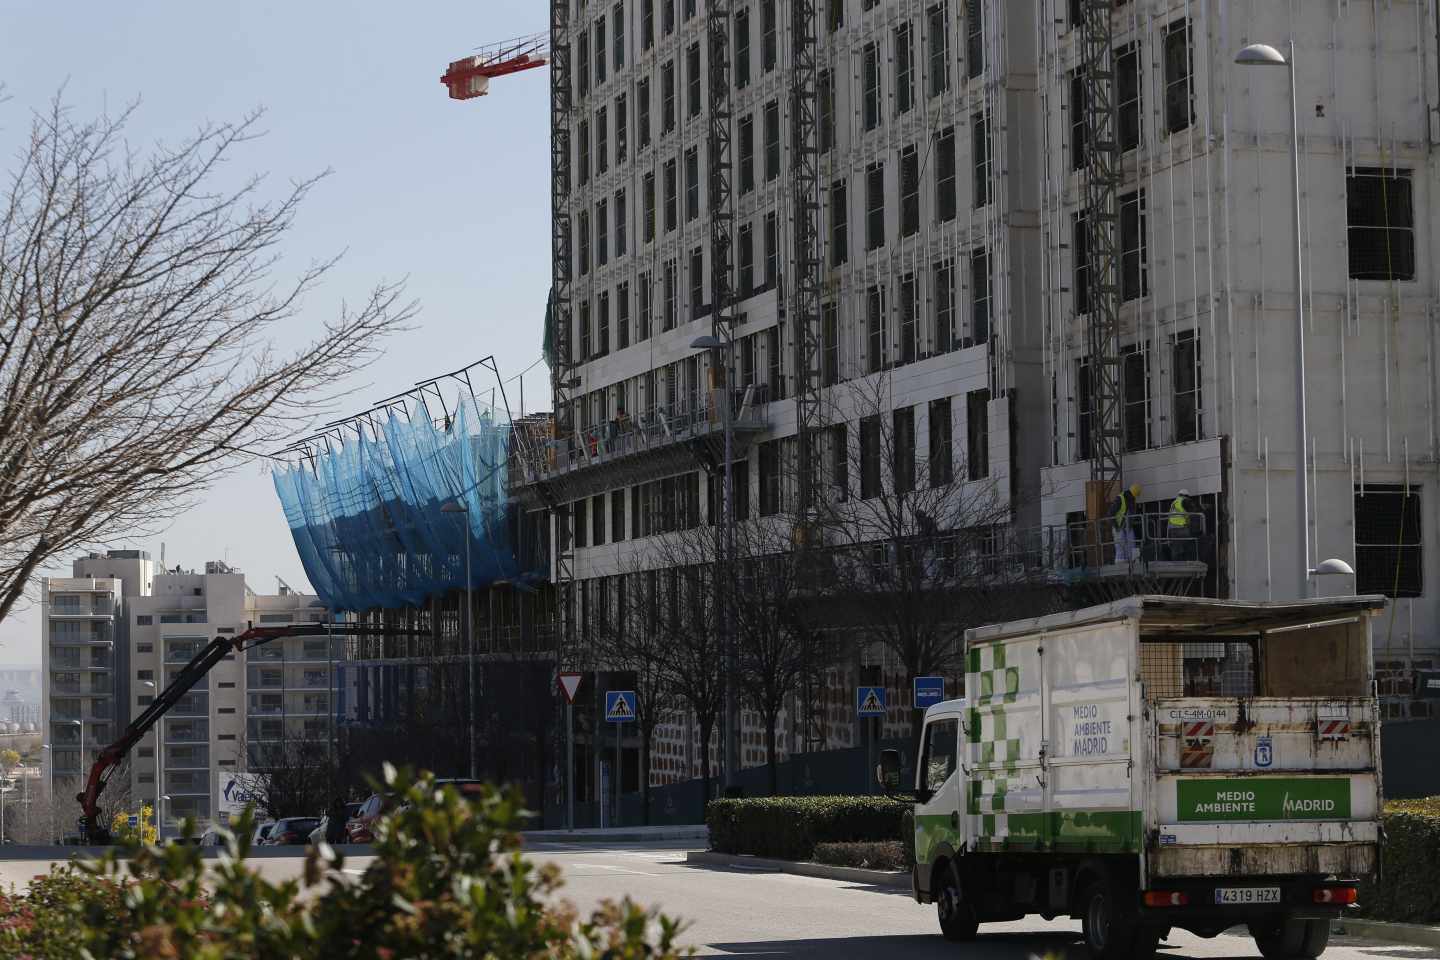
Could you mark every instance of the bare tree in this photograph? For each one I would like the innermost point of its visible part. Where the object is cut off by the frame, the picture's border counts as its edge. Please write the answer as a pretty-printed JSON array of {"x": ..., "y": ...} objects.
[
  {"x": 138, "y": 298},
  {"x": 293, "y": 777},
  {"x": 925, "y": 544}
]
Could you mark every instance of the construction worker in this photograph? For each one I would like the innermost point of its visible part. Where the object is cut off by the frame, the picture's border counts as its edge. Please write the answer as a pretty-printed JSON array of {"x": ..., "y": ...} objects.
[
  {"x": 1125, "y": 515},
  {"x": 1181, "y": 540}
]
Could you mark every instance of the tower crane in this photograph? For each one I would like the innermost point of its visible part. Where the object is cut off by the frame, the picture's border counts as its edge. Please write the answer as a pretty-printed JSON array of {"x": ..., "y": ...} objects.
[{"x": 470, "y": 77}]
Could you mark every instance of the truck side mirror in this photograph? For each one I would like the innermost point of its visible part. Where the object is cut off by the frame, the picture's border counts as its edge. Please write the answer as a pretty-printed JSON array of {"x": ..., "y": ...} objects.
[{"x": 887, "y": 771}]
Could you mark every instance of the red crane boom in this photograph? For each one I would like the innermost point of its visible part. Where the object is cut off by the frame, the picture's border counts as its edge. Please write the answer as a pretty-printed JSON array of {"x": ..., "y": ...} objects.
[{"x": 471, "y": 76}]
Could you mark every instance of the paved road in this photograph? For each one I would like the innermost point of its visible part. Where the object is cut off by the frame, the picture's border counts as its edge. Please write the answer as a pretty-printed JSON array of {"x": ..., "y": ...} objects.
[{"x": 745, "y": 913}]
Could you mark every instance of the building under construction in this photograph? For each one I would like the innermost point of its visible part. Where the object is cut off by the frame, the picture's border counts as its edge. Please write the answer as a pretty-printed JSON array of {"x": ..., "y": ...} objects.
[{"x": 1037, "y": 252}]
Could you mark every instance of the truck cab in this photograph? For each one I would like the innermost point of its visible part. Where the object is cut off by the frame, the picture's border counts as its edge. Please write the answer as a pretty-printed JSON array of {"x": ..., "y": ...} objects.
[{"x": 1151, "y": 764}]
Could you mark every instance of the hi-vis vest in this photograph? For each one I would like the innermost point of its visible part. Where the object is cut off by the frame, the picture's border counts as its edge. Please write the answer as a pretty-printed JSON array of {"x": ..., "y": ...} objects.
[
  {"x": 1121, "y": 511},
  {"x": 1179, "y": 516}
]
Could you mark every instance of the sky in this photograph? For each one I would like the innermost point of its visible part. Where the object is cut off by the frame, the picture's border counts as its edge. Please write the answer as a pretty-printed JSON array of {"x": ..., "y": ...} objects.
[{"x": 451, "y": 196}]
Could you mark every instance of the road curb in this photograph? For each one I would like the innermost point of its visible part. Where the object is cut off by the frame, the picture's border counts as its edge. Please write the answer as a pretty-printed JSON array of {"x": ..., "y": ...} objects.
[
  {"x": 617, "y": 835},
  {"x": 1412, "y": 933},
  {"x": 879, "y": 878}
]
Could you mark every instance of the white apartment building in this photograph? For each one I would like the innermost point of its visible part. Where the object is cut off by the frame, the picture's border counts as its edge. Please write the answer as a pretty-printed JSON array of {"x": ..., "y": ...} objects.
[
  {"x": 118, "y": 632},
  {"x": 951, "y": 160}
]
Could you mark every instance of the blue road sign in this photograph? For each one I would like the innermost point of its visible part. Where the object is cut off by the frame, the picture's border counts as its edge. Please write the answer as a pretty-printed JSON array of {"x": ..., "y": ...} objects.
[
  {"x": 619, "y": 706},
  {"x": 870, "y": 701},
  {"x": 928, "y": 690},
  {"x": 134, "y": 820}
]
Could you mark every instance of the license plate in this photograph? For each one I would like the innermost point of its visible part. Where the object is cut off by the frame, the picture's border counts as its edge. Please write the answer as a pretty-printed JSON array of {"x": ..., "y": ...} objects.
[{"x": 1246, "y": 895}]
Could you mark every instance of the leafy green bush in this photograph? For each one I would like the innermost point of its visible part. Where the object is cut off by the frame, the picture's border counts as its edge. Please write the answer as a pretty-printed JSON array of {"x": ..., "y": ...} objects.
[
  {"x": 872, "y": 855},
  {"x": 1409, "y": 887},
  {"x": 789, "y": 827},
  {"x": 448, "y": 880}
]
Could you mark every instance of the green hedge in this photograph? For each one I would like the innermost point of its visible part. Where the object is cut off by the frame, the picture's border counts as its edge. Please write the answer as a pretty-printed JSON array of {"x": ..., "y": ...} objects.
[
  {"x": 1409, "y": 888},
  {"x": 788, "y": 828}
]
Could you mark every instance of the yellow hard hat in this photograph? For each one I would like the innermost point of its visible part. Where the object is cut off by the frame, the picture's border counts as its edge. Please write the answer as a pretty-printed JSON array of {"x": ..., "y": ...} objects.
[{"x": 1135, "y": 489}]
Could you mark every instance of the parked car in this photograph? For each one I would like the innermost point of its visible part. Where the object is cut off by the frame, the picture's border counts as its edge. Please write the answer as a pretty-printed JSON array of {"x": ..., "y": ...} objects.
[
  {"x": 318, "y": 834},
  {"x": 291, "y": 830},
  {"x": 262, "y": 832},
  {"x": 361, "y": 828},
  {"x": 212, "y": 838}
]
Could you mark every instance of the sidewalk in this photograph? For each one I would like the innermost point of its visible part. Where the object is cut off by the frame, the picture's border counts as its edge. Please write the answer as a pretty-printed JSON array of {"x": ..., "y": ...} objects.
[
  {"x": 1416, "y": 934},
  {"x": 879, "y": 878}
]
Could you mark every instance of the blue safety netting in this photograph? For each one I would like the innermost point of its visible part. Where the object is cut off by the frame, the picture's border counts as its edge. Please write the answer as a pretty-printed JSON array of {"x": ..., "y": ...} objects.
[{"x": 366, "y": 512}]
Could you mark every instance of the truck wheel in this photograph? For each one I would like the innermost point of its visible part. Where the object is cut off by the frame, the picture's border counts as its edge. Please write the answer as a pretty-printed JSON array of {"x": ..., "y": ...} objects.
[
  {"x": 1107, "y": 935},
  {"x": 1316, "y": 939},
  {"x": 1281, "y": 939},
  {"x": 957, "y": 915}
]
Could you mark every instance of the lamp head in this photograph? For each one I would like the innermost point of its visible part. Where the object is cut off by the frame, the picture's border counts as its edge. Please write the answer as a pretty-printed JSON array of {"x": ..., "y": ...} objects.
[
  {"x": 1260, "y": 55},
  {"x": 708, "y": 342},
  {"x": 1333, "y": 567}
]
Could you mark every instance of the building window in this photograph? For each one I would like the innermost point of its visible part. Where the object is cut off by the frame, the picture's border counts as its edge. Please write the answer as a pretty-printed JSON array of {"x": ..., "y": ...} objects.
[
  {"x": 692, "y": 184},
  {"x": 617, "y": 20},
  {"x": 839, "y": 224},
  {"x": 980, "y": 138},
  {"x": 904, "y": 69},
  {"x": 642, "y": 119},
  {"x": 979, "y": 297},
  {"x": 772, "y": 249},
  {"x": 672, "y": 213},
  {"x": 622, "y": 124},
  {"x": 692, "y": 80},
  {"x": 586, "y": 345},
  {"x": 697, "y": 283},
  {"x": 870, "y": 80},
  {"x": 602, "y": 233},
  {"x": 578, "y": 512},
  {"x": 620, "y": 218},
  {"x": 1129, "y": 94},
  {"x": 977, "y": 434},
  {"x": 869, "y": 458},
  {"x": 836, "y": 15},
  {"x": 772, "y": 140},
  {"x": 617, "y": 515},
  {"x": 667, "y": 97},
  {"x": 1078, "y": 101},
  {"x": 837, "y": 440},
  {"x": 769, "y": 46},
  {"x": 875, "y": 206},
  {"x": 602, "y": 141},
  {"x": 649, "y": 197},
  {"x": 939, "y": 49},
  {"x": 144, "y": 648},
  {"x": 1380, "y": 218},
  {"x": 825, "y": 95},
  {"x": 584, "y": 230},
  {"x": 877, "y": 332},
  {"x": 582, "y": 143},
  {"x": 975, "y": 37},
  {"x": 1084, "y": 407},
  {"x": 645, "y": 318},
  {"x": 944, "y": 301},
  {"x": 746, "y": 243},
  {"x": 830, "y": 332},
  {"x": 144, "y": 674},
  {"x": 1179, "y": 81},
  {"x": 672, "y": 293},
  {"x": 909, "y": 191},
  {"x": 1186, "y": 409},
  {"x": 1134, "y": 282},
  {"x": 1388, "y": 541},
  {"x": 1135, "y": 386},
  {"x": 909, "y": 319},
  {"x": 667, "y": 16},
  {"x": 903, "y": 450},
  {"x": 602, "y": 338},
  {"x": 774, "y": 364},
  {"x": 647, "y": 24},
  {"x": 226, "y": 684},
  {"x": 600, "y": 50},
  {"x": 942, "y": 453},
  {"x": 946, "y": 197},
  {"x": 583, "y": 75},
  {"x": 597, "y": 520},
  {"x": 144, "y": 619},
  {"x": 622, "y": 316},
  {"x": 747, "y": 154},
  {"x": 742, "y": 49},
  {"x": 769, "y": 478}
]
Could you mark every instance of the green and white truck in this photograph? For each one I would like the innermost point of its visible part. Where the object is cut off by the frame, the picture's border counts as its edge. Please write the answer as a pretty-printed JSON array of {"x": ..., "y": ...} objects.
[{"x": 1155, "y": 763}]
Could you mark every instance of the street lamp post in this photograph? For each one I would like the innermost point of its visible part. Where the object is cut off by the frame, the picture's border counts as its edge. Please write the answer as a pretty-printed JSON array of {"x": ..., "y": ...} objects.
[
  {"x": 159, "y": 767},
  {"x": 1264, "y": 55},
  {"x": 50, "y": 800},
  {"x": 727, "y": 635},
  {"x": 455, "y": 506}
]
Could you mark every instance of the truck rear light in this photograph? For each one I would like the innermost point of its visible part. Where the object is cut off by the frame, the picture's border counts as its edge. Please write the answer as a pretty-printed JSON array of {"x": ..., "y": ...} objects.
[
  {"x": 1165, "y": 898},
  {"x": 1335, "y": 895}
]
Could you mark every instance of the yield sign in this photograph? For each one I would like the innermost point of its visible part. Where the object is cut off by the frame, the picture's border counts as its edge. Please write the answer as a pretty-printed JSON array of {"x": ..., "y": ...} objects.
[{"x": 569, "y": 683}]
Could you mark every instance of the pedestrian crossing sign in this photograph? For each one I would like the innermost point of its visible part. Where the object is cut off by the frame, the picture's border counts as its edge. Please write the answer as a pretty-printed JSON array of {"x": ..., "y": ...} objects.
[
  {"x": 870, "y": 701},
  {"x": 619, "y": 706}
]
